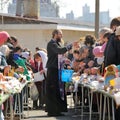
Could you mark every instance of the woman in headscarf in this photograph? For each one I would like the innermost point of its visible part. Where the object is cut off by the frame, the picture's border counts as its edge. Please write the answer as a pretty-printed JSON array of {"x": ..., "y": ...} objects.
[{"x": 40, "y": 59}]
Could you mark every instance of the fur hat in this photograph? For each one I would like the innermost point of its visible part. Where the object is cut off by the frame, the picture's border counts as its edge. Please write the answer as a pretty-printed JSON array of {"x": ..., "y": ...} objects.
[
  {"x": 117, "y": 32},
  {"x": 3, "y": 37}
]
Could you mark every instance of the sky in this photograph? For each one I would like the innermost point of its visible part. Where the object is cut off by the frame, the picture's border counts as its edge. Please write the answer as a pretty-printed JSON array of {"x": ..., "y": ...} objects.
[{"x": 76, "y": 5}]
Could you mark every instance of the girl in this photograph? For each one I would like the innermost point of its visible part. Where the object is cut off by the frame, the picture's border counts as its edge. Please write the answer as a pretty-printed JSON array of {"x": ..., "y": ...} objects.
[{"x": 40, "y": 65}]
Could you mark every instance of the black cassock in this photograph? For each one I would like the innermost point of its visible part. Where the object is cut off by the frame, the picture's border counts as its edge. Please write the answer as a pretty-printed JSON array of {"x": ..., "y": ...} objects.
[{"x": 55, "y": 89}]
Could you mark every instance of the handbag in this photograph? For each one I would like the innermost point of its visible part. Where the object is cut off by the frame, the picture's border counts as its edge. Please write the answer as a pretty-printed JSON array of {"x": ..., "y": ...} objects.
[
  {"x": 34, "y": 92},
  {"x": 38, "y": 77}
]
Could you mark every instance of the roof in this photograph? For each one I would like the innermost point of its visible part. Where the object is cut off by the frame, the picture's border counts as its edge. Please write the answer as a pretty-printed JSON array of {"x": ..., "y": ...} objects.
[
  {"x": 64, "y": 24},
  {"x": 8, "y": 19}
]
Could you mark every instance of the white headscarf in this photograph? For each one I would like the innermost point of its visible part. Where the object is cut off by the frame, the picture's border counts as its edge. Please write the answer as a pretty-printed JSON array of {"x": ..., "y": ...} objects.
[
  {"x": 44, "y": 58},
  {"x": 25, "y": 55}
]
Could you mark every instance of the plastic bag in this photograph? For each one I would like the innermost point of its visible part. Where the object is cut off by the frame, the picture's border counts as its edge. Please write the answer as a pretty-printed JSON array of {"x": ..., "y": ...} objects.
[{"x": 34, "y": 92}]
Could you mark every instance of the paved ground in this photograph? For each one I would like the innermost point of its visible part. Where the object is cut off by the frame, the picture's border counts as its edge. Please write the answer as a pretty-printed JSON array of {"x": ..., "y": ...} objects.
[{"x": 72, "y": 114}]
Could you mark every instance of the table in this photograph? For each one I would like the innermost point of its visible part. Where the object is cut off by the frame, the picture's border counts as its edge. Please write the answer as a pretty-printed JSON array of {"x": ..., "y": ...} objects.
[
  {"x": 3, "y": 98},
  {"x": 90, "y": 91},
  {"x": 20, "y": 96},
  {"x": 106, "y": 97},
  {"x": 19, "y": 100},
  {"x": 99, "y": 93}
]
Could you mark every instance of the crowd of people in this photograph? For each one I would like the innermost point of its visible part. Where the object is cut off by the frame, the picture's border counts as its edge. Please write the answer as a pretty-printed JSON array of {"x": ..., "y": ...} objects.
[
  {"x": 82, "y": 57},
  {"x": 16, "y": 61}
]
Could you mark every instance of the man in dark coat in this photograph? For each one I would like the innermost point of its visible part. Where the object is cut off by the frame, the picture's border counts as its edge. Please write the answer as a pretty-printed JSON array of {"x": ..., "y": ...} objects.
[
  {"x": 112, "y": 48},
  {"x": 112, "y": 54},
  {"x": 54, "y": 103}
]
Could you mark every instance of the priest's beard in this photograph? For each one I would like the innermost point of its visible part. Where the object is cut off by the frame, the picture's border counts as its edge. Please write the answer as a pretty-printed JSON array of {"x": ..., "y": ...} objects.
[{"x": 58, "y": 40}]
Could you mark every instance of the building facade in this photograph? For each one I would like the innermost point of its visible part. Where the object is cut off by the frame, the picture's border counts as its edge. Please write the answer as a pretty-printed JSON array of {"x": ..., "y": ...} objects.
[
  {"x": 32, "y": 33},
  {"x": 88, "y": 16},
  {"x": 70, "y": 16}
]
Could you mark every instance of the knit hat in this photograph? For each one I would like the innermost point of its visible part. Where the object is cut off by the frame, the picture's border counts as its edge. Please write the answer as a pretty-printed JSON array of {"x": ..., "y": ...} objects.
[
  {"x": 117, "y": 32},
  {"x": 97, "y": 50},
  {"x": 3, "y": 37}
]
